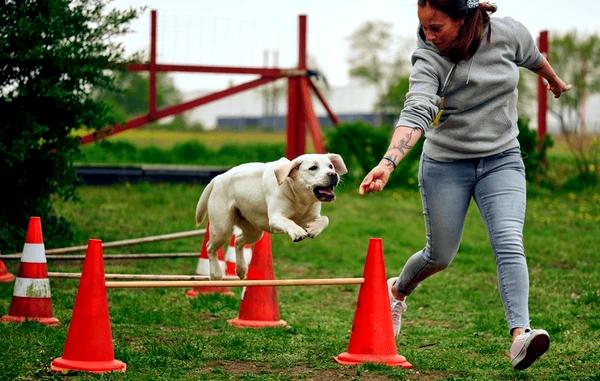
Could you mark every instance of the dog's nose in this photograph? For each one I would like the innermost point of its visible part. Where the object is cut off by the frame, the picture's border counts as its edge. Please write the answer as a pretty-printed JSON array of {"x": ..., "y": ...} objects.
[{"x": 333, "y": 179}]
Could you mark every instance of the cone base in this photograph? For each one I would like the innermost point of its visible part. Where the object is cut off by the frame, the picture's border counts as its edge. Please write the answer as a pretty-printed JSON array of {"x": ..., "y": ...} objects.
[
  {"x": 63, "y": 365},
  {"x": 242, "y": 323},
  {"x": 51, "y": 321},
  {"x": 357, "y": 359},
  {"x": 6, "y": 278},
  {"x": 208, "y": 290}
]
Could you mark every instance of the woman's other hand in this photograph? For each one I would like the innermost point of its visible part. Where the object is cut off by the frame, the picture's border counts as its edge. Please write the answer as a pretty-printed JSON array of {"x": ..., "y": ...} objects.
[{"x": 558, "y": 86}]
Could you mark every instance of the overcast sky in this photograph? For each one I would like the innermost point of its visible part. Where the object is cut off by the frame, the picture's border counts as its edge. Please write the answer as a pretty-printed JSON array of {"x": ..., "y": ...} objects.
[{"x": 243, "y": 32}]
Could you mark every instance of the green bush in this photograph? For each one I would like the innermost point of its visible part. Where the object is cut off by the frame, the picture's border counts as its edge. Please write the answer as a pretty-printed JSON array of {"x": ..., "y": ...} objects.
[{"x": 360, "y": 144}]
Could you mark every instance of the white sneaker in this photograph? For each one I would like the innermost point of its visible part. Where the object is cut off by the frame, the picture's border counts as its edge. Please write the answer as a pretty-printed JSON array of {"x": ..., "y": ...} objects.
[
  {"x": 528, "y": 347},
  {"x": 397, "y": 307}
]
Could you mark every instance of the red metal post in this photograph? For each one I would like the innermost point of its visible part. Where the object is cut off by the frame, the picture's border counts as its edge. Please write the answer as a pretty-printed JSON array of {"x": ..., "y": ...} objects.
[
  {"x": 296, "y": 134},
  {"x": 152, "y": 68},
  {"x": 300, "y": 138},
  {"x": 302, "y": 42},
  {"x": 542, "y": 90},
  {"x": 296, "y": 120}
]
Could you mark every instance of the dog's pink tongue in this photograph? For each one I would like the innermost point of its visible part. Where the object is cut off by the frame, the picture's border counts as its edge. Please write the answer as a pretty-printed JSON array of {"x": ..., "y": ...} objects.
[{"x": 327, "y": 191}]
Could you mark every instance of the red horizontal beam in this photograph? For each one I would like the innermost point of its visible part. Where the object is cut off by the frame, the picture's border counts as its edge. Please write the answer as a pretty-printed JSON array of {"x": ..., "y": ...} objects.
[
  {"x": 172, "y": 110},
  {"x": 265, "y": 72}
]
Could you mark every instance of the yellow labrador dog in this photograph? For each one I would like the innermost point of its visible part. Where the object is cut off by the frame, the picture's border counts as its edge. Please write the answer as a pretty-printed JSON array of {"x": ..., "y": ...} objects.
[{"x": 281, "y": 196}]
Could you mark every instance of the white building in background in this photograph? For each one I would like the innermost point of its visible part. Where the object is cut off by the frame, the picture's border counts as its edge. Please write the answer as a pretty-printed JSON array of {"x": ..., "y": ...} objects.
[{"x": 355, "y": 100}]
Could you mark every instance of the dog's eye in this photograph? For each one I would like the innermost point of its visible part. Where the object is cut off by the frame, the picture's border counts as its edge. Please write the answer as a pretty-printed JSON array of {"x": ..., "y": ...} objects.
[
  {"x": 330, "y": 166},
  {"x": 313, "y": 168}
]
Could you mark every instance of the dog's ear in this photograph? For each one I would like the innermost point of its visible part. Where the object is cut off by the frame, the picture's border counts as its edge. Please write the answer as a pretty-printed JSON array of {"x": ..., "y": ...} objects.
[
  {"x": 285, "y": 168},
  {"x": 338, "y": 163}
]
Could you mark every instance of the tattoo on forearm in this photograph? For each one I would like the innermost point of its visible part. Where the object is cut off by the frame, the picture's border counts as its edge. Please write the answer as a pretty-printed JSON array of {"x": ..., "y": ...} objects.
[{"x": 403, "y": 145}]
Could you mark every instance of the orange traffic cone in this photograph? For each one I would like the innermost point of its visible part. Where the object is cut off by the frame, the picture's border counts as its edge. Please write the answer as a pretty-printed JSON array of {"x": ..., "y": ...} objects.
[
  {"x": 5, "y": 276},
  {"x": 372, "y": 338},
  {"x": 89, "y": 346},
  {"x": 31, "y": 295},
  {"x": 259, "y": 307},
  {"x": 203, "y": 268}
]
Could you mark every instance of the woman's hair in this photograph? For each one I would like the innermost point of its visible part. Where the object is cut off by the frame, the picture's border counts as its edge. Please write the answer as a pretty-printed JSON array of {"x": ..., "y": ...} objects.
[{"x": 470, "y": 34}]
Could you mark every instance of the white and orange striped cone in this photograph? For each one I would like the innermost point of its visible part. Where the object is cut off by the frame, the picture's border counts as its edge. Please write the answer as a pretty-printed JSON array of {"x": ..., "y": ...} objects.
[
  {"x": 5, "y": 275},
  {"x": 230, "y": 258},
  {"x": 203, "y": 268},
  {"x": 248, "y": 253},
  {"x": 31, "y": 296}
]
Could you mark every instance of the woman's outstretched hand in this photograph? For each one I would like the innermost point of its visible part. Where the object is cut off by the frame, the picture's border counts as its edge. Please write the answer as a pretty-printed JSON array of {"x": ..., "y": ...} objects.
[
  {"x": 558, "y": 87},
  {"x": 375, "y": 180}
]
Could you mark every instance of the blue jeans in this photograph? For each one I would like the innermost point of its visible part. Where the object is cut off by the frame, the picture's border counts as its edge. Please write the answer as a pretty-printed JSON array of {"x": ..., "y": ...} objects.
[{"x": 497, "y": 184}]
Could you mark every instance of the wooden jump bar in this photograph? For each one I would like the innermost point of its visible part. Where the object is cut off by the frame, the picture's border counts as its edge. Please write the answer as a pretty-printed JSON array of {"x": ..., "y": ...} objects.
[
  {"x": 237, "y": 283},
  {"x": 130, "y": 242},
  {"x": 138, "y": 276},
  {"x": 76, "y": 257}
]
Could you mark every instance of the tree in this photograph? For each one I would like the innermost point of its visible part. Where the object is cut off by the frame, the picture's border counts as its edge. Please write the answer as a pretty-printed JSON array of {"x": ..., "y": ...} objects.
[
  {"x": 376, "y": 58},
  {"x": 54, "y": 55},
  {"x": 392, "y": 102},
  {"x": 576, "y": 59}
]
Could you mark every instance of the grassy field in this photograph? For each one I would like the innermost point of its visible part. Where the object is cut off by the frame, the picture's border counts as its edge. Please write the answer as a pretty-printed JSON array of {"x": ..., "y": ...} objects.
[
  {"x": 212, "y": 139},
  {"x": 454, "y": 328}
]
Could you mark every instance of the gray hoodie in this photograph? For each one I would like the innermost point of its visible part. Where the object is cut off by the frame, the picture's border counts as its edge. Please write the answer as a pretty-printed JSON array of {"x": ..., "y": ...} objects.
[{"x": 480, "y": 114}]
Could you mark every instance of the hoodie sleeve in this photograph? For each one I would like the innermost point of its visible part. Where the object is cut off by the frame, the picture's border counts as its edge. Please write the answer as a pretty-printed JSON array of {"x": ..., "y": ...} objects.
[
  {"x": 526, "y": 51},
  {"x": 421, "y": 102}
]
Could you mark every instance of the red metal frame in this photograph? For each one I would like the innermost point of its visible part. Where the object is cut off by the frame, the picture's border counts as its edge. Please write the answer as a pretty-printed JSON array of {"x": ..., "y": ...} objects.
[
  {"x": 542, "y": 90},
  {"x": 300, "y": 111},
  {"x": 152, "y": 69}
]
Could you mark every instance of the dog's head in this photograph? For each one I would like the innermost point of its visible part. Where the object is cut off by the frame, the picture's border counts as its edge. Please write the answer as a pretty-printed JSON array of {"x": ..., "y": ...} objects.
[{"x": 317, "y": 174}]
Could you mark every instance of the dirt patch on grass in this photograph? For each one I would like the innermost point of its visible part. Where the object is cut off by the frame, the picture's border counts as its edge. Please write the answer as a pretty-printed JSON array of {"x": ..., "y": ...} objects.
[
  {"x": 302, "y": 372},
  {"x": 431, "y": 376}
]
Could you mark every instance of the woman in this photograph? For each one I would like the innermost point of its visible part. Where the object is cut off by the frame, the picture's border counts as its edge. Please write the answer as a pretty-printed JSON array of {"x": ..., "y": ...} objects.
[{"x": 463, "y": 98}]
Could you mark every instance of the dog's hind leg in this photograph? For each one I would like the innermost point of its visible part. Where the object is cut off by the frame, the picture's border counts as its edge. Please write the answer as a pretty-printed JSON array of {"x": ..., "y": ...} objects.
[
  {"x": 220, "y": 232},
  {"x": 249, "y": 234},
  {"x": 212, "y": 247}
]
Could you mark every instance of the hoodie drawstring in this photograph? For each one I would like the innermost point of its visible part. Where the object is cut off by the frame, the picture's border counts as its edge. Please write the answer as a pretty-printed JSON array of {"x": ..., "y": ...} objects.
[{"x": 469, "y": 70}]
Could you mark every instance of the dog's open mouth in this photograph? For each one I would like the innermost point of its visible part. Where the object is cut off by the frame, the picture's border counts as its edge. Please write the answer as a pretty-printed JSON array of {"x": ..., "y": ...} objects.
[{"x": 324, "y": 193}]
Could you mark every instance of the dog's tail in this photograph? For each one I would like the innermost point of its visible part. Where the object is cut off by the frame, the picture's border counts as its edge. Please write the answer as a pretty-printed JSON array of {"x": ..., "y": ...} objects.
[{"x": 202, "y": 208}]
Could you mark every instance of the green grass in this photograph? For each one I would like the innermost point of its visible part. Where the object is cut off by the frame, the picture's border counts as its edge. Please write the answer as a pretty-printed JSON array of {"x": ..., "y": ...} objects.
[
  {"x": 454, "y": 328},
  {"x": 212, "y": 139}
]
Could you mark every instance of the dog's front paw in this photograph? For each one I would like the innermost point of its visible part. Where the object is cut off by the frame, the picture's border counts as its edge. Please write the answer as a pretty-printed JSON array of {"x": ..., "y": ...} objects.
[
  {"x": 316, "y": 227},
  {"x": 297, "y": 234}
]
